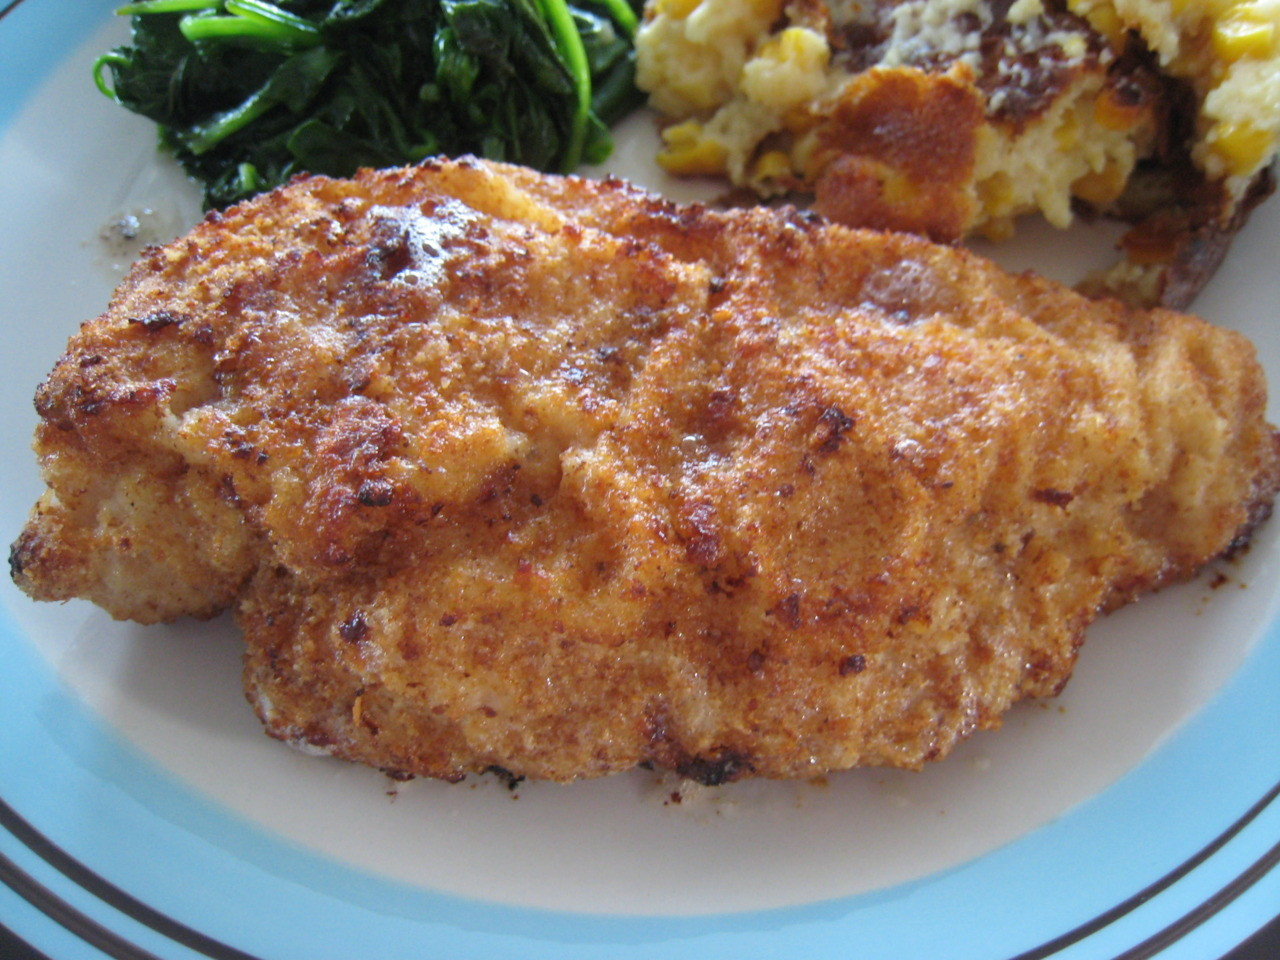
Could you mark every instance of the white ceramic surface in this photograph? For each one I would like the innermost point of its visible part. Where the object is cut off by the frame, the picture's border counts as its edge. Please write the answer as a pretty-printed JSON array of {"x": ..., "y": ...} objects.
[{"x": 72, "y": 166}]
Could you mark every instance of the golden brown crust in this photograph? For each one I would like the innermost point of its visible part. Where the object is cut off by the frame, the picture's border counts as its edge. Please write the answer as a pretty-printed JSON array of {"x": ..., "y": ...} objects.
[
  {"x": 552, "y": 475},
  {"x": 897, "y": 153}
]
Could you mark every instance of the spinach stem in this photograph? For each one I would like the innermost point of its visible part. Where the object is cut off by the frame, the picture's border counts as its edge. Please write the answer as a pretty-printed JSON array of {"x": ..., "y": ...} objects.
[
  {"x": 268, "y": 13},
  {"x": 569, "y": 42},
  {"x": 167, "y": 6},
  {"x": 247, "y": 179},
  {"x": 623, "y": 16},
  {"x": 112, "y": 59},
  {"x": 198, "y": 29},
  {"x": 207, "y": 135}
]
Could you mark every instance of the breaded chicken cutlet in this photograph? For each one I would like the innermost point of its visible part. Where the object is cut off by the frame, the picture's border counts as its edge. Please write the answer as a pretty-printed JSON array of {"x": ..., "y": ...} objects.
[
  {"x": 499, "y": 469},
  {"x": 951, "y": 118}
]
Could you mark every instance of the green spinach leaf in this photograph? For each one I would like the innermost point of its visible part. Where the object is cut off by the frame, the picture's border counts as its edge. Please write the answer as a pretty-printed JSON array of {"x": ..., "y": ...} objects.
[{"x": 248, "y": 93}]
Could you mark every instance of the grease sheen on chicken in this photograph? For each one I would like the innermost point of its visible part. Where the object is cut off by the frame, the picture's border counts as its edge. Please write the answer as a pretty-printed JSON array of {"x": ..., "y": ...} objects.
[{"x": 499, "y": 469}]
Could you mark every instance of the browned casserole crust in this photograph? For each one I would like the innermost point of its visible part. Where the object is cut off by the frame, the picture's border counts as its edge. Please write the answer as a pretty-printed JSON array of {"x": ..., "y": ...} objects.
[{"x": 950, "y": 118}]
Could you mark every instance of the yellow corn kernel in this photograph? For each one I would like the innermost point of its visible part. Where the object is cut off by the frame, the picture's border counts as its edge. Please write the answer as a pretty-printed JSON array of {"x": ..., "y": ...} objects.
[
  {"x": 809, "y": 155},
  {"x": 688, "y": 153},
  {"x": 1074, "y": 46},
  {"x": 793, "y": 43},
  {"x": 772, "y": 165},
  {"x": 1101, "y": 187},
  {"x": 995, "y": 193},
  {"x": 676, "y": 9},
  {"x": 1242, "y": 145},
  {"x": 1107, "y": 22},
  {"x": 898, "y": 190},
  {"x": 1241, "y": 33}
]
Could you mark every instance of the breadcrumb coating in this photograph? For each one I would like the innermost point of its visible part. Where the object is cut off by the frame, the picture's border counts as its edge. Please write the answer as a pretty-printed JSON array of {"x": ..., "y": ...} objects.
[{"x": 550, "y": 475}]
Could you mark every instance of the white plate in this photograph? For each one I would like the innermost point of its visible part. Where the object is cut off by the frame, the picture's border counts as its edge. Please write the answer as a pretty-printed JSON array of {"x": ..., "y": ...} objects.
[{"x": 145, "y": 814}]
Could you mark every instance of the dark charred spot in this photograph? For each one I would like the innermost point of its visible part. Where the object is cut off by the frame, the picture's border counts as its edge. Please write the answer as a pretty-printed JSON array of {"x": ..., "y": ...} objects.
[
  {"x": 158, "y": 320},
  {"x": 389, "y": 252},
  {"x": 448, "y": 620},
  {"x": 852, "y": 665},
  {"x": 535, "y": 500},
  {"x": 22, "y": 549},
  {"x": 787, "y": 610},
  {"x": 1041, "y": 72},
  {"x": 92, "y": 361},
  {"x": 718, "y": 415},
  {"x": 703, "y": 546},
  {"x": 755, "y": 661},
  {"x": 509, "y": 779},
  {"x": 317, "y": 738},
  {"x": 1055, "y": 498},
  {"x": 856, "y": 42},
  {"x": 355, "y": 628},
  {"x": 375, "y": 493},
  {"x": 835, "y": 424},
  {"x": 239, "y": 448},
  {"x": 713, "y": 771}
]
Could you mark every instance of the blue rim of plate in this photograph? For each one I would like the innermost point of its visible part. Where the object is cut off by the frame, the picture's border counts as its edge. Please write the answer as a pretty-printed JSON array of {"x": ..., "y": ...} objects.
[{"x": 104, "y": 853}]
